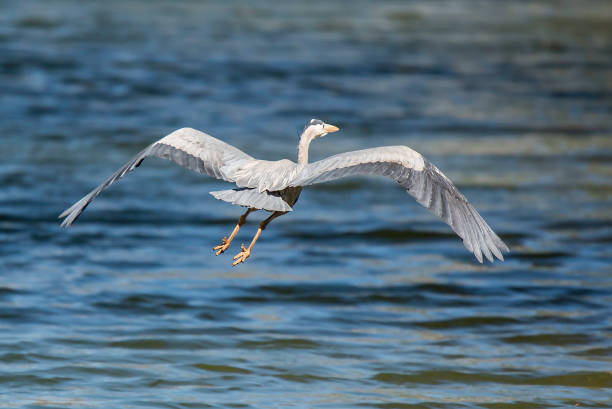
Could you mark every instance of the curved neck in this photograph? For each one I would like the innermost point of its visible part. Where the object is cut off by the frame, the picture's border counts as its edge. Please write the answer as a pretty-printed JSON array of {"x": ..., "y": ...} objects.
[
  {"x": 303, "y": 149},
  {"x": 309, "y": 134}
]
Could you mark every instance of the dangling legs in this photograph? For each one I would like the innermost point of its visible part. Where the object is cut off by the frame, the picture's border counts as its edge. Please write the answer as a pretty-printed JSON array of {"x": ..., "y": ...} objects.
[
  {"x": 225, "y": 242},
  {"x": 246, "y": 252}
]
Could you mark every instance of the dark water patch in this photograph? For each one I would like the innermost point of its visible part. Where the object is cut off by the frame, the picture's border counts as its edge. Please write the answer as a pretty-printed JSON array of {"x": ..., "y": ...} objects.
[
  {"x": 425, "y": 405},
  {"x": 419, "y": 294},
  {"x": 39, "y": 110},
  {"x": 376, "y": 234},
  {"x": 577, "y": 302},
  {"x": 598, "y": 158},
  {"x": 54, "y": 137},
  {"x": 148, "y": 89},
  {"x": 605, "y": 239},
  {"x": 7, "y": 292},
  {"x": 221, "y": 368},
  {"x": 163, "y": 344},
  {"x": 577, "y": 379},
  {"x": 301, "y": 378},
  {"x": 19, "y": 62},
  {"x": 563, "y": 301},
  {"x": 112, "y": 264},
  {"x": 19, "y": 380},
  {"x": 76, "y": 342},
  {"x": 446, "y": 125},
  {"x": 556, "y": 316},
  {"x": 15, "y": 177},
  {"x": 218, "y": 313},
  {"x": 176, "y": 404},
  {"x": 197, "y": 331},
  {"x": 606, "y": 353},
  {"x": 557, "y": 339},
  {"x": 144, "y": 304},
  {"x": 17, "y": 358},
  {"x": 280, "y": 344},
  {"x": 409, "y": 17},
  {"x": 581, "y": 94},
  {"x": 579, "y": 224},
  {"x": 541, "y": 255},
  {"x": 108, "y": 370},
  {"x": 267, "y": 293},
  {"x": 516, "y": 405},
  {"x": 38, "y": 22},
  {"x": 452, "y": 289},
  {"x": 25, "y": 315},
  {"x": 536, "y": 187},
  {"x": 584, "y": 403},
  {"x": 561, "y": 291},
  {"x": 140, "y": 344},
  {"x": 228, "y": 330},
  {"x": 469, "y": 322},
  {"x": 434, "y": 377},
  {"x": 314, "y": 74},
  {"x": 162, "y": 383}
]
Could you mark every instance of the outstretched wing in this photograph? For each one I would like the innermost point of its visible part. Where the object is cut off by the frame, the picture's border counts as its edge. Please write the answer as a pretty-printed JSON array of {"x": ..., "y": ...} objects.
[
  {"x": 188, "y": 147},
  {"x": 430, "y": 187}
]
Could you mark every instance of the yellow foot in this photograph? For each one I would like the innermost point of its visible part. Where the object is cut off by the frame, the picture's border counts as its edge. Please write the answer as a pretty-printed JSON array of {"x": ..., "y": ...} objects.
[
  {"x": 242, "y": 256},
  {"x": 221, "y": 247}
]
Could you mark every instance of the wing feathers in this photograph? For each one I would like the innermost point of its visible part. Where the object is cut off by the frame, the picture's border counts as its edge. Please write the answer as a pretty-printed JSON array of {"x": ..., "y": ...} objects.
[
  {"x": 423, "y": 181},
  {"x": 76, "y": 209},
  {"x": 188, "y": 147},
  {"x": 431, "y": 186},
  {"x": 202, "y": 153},
  {"x": 254, "y": 199}
]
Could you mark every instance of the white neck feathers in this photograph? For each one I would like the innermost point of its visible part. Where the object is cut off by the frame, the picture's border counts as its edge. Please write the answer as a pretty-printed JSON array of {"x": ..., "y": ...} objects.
[{"x": 307, "y": 136}]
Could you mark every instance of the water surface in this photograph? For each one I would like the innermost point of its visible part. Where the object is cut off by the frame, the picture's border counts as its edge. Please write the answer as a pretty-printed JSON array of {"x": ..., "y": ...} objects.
[{"x": 359, "y": 298}]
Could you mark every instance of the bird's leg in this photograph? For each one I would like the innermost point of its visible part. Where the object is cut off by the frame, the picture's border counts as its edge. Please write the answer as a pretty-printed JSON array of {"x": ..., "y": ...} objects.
[
  {"x": 246, "y": 252},
  {"x": 225, "y": 242}
]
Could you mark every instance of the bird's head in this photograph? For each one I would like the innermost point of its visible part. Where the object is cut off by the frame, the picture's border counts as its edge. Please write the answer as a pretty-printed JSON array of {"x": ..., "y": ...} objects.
[{"x": 317, "y": 128}]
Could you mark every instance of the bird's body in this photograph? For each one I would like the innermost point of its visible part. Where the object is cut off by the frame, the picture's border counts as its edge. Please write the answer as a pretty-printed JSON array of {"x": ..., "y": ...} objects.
[{"x": 275, "y": 186}]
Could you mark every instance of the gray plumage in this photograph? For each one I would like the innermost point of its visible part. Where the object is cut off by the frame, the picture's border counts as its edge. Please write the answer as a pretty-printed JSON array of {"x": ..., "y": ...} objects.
[
  {"x": 276, "y": 185},
  {"x": 271, "y": 201}
]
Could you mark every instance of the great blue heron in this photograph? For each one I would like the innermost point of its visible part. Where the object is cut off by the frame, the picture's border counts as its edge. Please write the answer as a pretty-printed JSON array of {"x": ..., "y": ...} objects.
[{"x": 276, "y": 185}]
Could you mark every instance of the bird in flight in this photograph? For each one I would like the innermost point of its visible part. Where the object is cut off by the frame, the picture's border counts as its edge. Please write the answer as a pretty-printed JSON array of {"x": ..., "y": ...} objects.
[{"x": 275, "y": 186}]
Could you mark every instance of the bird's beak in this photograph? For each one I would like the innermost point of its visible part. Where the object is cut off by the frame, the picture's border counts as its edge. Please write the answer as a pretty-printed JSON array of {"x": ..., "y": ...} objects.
[{"x": 330, "y": 128}]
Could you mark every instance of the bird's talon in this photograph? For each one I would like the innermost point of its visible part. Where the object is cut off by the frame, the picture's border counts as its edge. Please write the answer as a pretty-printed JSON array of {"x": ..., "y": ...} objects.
[
  {"x": 221, "y": 247},
  {"x": 239, "y": 254},
  {"x": 242, "y": 256}
]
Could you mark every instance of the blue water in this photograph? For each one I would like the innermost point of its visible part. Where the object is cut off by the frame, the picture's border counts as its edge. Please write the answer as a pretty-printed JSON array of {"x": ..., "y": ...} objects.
[{"x": 358, "y": 298}]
